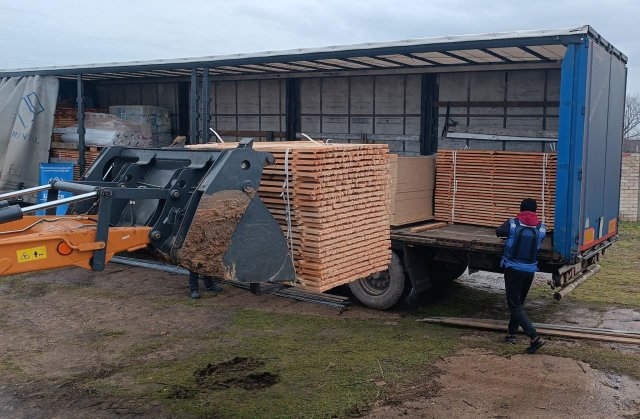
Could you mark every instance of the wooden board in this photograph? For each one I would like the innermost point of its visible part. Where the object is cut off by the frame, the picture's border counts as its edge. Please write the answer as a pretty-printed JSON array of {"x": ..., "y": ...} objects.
[
  {"x": 486, "y": 187},
  {"x": 65, "y": 155},
  {"x": 63, "y": 152},
  {"x": 338, "y": 207},
  {"x": 412, "y": 184}
]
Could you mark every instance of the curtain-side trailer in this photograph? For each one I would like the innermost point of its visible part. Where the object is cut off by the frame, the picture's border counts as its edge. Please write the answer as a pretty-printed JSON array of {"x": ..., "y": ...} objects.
[
  {"x": 568, "y": 80},
  {"x": 592, "y": 95}
]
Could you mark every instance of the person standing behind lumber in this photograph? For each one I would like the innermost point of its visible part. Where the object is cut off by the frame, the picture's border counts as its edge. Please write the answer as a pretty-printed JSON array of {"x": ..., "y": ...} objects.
[{"x": 524, "y": 235}]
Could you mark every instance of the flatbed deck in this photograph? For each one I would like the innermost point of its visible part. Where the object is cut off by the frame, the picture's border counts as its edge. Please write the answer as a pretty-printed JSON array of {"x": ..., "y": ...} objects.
[{"x": 462, "y": 237}]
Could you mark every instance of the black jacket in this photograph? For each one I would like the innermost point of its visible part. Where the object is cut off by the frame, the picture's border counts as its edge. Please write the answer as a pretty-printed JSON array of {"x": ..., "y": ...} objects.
[{"x": 503, "y": 230}]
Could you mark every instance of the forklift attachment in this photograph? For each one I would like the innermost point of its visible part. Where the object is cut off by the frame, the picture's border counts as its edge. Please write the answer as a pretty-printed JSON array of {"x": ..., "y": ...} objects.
[{"x": 199, "y": 209}]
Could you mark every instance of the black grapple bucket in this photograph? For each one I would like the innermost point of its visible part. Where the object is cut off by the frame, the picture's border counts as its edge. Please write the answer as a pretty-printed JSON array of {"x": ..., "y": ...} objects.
[
  {"x": 234, "y": 237},
  {"x": 214, "y": 223}
]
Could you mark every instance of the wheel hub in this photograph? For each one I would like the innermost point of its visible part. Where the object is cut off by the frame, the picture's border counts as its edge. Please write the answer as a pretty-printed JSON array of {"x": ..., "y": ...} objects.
[{"x": 376, "y": 284}]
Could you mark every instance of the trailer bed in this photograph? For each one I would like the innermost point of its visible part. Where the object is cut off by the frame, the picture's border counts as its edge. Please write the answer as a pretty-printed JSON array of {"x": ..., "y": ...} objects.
[{"x": 462, "y": 237}]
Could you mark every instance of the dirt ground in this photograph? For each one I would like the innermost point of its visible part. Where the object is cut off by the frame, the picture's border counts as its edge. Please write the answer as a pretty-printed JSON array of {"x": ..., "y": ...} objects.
[
  {"x": 475, "y": 383},
  {"x": 60, "y": 329},
  {"x": 79, "y": 344}
]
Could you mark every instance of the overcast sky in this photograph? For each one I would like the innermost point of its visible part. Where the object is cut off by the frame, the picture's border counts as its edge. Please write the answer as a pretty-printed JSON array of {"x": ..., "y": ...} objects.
[{"x": 43, "y": 33}]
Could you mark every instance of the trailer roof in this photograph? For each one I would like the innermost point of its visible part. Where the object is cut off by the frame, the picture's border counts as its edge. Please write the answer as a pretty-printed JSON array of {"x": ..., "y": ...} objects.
[{"x": 518, "y": 47}]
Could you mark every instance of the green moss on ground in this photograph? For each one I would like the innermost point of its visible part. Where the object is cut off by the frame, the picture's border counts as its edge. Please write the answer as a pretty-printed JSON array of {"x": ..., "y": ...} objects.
[
  {"x": 323, "y": 367},
  {"x": 8, "y": 366},
  {"x": 618, "y": 282},
  {"x": 457, "y": 300}
]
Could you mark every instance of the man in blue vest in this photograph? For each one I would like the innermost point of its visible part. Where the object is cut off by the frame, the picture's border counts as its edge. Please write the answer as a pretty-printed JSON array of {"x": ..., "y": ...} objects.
[{"x": 524, "y": 235}]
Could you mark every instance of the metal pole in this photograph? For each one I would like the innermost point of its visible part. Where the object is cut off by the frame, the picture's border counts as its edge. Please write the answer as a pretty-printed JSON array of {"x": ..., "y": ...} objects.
[
  {"x": 206, "y": 100},
  {"x": 193, "y": 108},
  {"x": 428, "y": 114},
  {"x": 81, "y": 131},
  {"x": 292, "y": 108},
  {"x": 25, "y": 191},
  {"x": 574, "y": 284},
  {"x": 46, "y": 205}
]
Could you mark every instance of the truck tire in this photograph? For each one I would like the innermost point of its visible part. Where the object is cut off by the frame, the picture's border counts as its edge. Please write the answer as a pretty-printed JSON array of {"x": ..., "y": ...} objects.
[{"x": 385, "y": 289}]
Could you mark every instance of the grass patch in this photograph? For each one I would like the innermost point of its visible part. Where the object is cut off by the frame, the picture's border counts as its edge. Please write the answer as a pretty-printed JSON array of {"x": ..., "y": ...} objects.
[
  {"x": 312, "y": 367},
  {"x": 458, "y": 300},
  {"x": 6, "y": 365},
  {"x": 618, "y": 283}
]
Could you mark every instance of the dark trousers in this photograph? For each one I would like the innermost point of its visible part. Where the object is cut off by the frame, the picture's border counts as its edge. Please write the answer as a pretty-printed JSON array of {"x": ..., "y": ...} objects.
[
  {"x": 193, "y": 282},
  {"x": 517, "y": 284}
]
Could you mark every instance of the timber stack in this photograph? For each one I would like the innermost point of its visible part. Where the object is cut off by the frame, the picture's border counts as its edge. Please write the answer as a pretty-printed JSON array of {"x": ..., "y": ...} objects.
[
  {"x": 332, "y": 202},
  {"x": 486, "y": 187},
  {"x": 65, "y": 117},
  {"x": 60, "y": 152},
  {"x": 68, "y": 153}
]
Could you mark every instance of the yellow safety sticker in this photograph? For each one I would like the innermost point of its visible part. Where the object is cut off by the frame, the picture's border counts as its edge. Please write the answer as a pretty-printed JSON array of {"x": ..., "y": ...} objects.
[{"x": 32, "y": 254}]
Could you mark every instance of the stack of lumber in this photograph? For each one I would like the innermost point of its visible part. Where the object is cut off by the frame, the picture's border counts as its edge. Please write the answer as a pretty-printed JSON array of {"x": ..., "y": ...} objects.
[
  {"x": 65, "y": 117},
  {"x": 332, "y": 202},
  {"x": 486, "y": 187},
  {"x": 68, "y": 153},
  {"x": 412, "y": 184}
]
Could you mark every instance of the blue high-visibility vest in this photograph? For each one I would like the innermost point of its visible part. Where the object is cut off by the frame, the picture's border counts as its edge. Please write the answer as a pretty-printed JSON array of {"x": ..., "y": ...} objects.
[{"x": 522, "y": 246}]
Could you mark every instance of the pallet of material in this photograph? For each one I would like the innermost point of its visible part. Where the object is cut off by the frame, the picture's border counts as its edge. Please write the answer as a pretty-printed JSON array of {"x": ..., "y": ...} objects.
[
  {"x": 60, "y": 152},
  {"x": 412, "y": 184},
  {"x": 332, "y": 202},
  {"x": 68, "y": 153},
  {"x": 486, "y": 187},
  {"x": 66, "y": 117}
]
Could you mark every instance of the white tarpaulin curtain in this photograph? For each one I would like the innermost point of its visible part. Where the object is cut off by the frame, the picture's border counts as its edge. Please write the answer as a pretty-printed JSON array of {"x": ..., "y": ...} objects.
[{"x": 27, "y": 107}]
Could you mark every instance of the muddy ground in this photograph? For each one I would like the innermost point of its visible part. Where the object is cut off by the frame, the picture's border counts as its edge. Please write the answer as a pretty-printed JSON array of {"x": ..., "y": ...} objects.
[{"x": 129, "y": 343}]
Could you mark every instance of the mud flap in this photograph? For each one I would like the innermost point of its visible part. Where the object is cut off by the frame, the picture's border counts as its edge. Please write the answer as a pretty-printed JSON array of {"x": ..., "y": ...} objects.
[{"x": 234, "y": 236}]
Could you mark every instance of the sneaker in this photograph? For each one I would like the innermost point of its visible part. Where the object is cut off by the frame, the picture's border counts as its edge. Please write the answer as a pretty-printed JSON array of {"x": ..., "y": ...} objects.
[
  {"x": 535, "y": 344},
  {"x": 214, "y": 288},
  {"x": 195, "y": 295},
  {"x": 510, "y": 339}
]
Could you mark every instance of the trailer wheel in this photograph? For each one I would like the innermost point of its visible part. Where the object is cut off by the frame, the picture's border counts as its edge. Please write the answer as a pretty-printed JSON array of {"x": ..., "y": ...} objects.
[{"x": 385, "y": 289}]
